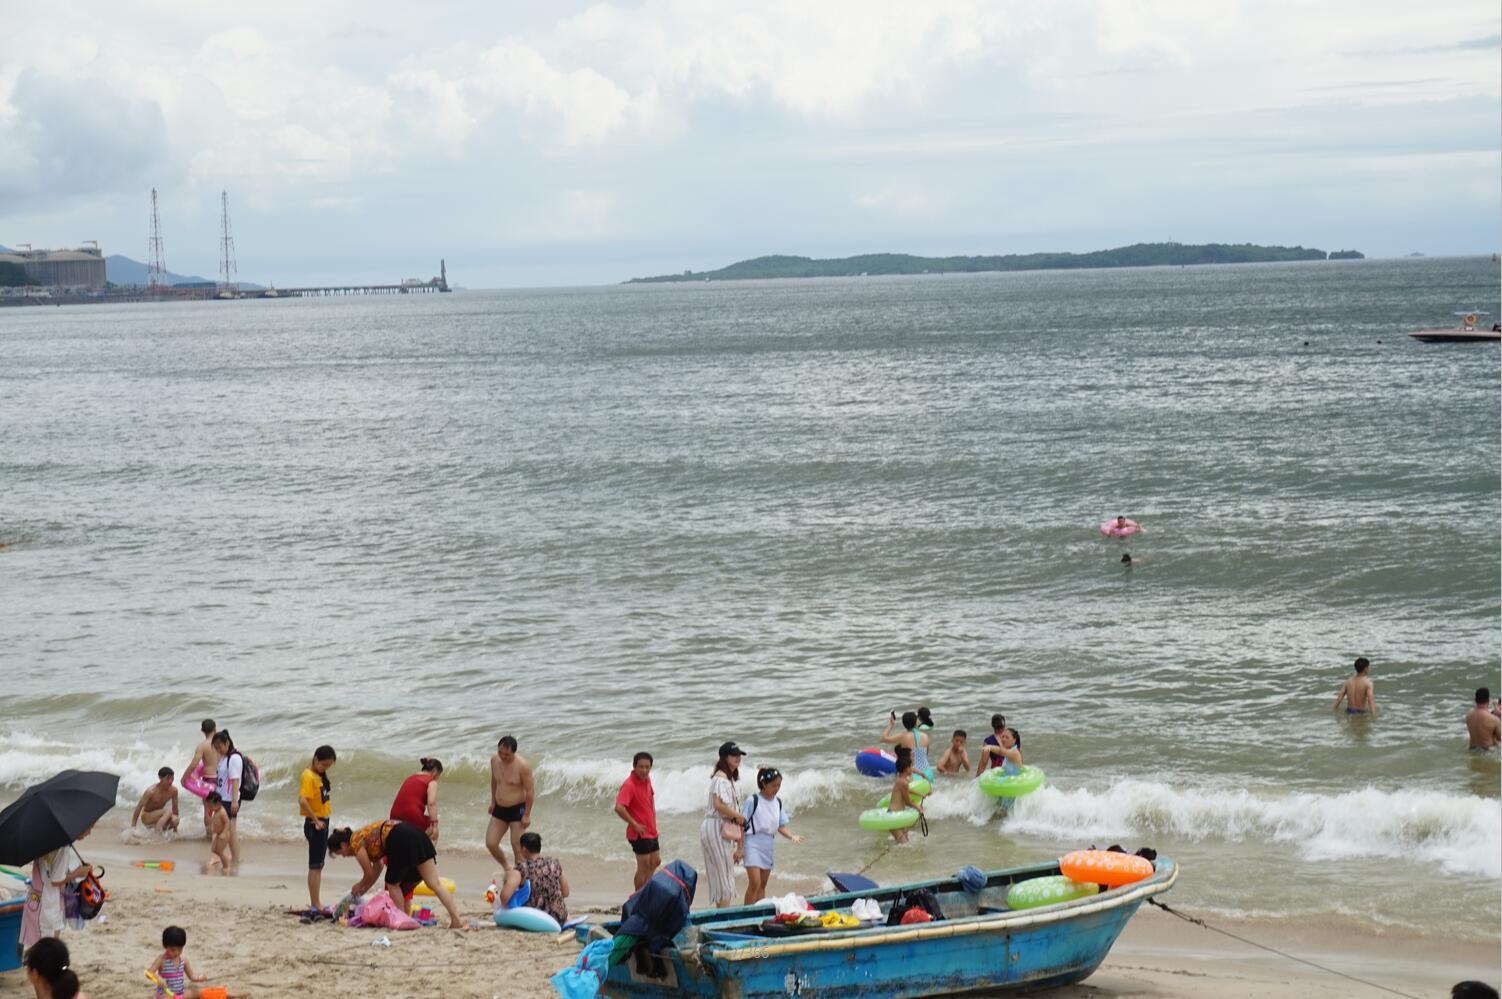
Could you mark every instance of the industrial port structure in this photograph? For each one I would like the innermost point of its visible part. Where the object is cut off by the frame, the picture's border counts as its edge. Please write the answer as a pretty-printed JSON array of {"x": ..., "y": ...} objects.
[
  {"x": 80, "y": 275},
  {"x": 71, "y": 270}
]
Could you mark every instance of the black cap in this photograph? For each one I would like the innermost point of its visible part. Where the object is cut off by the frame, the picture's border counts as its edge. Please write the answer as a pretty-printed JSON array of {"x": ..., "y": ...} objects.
[{"x": 730, "y": 749}]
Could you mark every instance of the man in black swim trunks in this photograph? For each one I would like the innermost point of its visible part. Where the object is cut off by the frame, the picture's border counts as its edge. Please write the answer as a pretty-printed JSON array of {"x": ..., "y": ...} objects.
[
  {"x": 636, "y": 805},
  {"x": 511, "y": 794}
]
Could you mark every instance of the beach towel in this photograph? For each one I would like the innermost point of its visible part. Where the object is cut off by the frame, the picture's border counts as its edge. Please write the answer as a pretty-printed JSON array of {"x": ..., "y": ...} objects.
[
  {"x": 583, "y": 979},
  {"x": 381, "y": 911}
]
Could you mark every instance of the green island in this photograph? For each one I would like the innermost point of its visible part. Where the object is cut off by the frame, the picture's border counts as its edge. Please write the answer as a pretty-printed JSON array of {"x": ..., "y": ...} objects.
[{"x": 1136, "y": 255}]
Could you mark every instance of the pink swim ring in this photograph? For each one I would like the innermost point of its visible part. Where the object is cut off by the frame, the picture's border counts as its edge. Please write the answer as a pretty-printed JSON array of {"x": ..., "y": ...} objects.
[
  {"x": 1112, "y": 529},
  {"x": 194, "y": 783}
]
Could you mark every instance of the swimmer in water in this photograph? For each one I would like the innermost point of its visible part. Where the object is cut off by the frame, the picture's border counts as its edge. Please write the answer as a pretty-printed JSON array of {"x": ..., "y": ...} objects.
[
  {"x": 1357, "y": 692},
  {"x": 1484, "y": 728},
  {"x": 956, "y": 757},
  {"x": 1129, "y": 560}
]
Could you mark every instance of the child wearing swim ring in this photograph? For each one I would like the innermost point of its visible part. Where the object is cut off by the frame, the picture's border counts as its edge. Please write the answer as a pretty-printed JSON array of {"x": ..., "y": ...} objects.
[{"x": 902, "y": 795}]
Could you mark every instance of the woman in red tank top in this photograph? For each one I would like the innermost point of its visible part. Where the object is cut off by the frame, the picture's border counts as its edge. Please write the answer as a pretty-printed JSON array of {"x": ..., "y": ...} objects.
[{"x": 417, "y": 801}]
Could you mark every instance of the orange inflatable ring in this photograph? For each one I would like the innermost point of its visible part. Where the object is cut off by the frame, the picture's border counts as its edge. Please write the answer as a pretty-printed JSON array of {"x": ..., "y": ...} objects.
[{"x": 1105, "y": 868}]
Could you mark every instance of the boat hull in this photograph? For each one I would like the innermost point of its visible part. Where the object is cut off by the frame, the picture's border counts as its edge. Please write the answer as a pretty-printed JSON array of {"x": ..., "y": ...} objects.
[
  {"x": 990, "y": 951},
  {"x": 1457, "y": 336}
]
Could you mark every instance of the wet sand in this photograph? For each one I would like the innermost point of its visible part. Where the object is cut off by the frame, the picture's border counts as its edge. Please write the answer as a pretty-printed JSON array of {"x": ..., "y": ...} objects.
[{"x": 240, "y": 934}]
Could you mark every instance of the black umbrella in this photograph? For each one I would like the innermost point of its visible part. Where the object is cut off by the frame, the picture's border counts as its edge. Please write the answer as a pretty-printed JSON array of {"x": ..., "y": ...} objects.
[{"x": 54, "y": 813}]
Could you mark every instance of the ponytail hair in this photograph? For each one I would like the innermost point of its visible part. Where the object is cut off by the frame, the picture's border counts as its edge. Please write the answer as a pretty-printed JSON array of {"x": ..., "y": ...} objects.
[
  {"x": 223, "y": 736},
  {"x": 48, "y": 957},
  {"x": 430, "y": 765}
]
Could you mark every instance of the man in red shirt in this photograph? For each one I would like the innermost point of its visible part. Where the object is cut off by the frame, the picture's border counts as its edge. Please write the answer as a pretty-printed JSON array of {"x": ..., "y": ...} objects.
[{"x": 636, "y": 804}]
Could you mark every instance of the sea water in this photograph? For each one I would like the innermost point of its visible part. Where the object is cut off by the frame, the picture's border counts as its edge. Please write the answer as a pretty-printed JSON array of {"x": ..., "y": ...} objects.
[{"x": 660, "y": 517}]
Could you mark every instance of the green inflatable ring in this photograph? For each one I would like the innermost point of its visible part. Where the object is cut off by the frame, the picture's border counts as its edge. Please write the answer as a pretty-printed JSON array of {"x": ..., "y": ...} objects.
[
  {"x": 918, "y": 787},
  {"x": 881, "y": 820},
  {"x": 999, "y": 785},
  {"x": 1051, "y": 890}
]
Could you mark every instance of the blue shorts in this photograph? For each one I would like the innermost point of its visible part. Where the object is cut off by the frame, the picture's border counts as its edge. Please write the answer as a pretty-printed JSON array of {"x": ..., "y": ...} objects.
[{"x": 759, "y": 851}]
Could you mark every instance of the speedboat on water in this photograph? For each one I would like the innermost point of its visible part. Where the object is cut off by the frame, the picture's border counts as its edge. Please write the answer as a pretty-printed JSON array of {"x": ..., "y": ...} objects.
[
  {"x": 1465, "y": 333},
  {"x": 980, "y": 944}
]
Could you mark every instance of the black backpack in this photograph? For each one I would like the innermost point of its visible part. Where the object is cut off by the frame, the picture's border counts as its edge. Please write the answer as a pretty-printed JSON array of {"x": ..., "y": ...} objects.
[
  {"x": 250, "y": 778},
  {"x": 920, "y": 899}
]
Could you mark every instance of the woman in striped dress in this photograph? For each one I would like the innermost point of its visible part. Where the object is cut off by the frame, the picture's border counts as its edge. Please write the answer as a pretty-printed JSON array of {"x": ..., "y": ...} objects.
[{"x": 722, "y": 854}]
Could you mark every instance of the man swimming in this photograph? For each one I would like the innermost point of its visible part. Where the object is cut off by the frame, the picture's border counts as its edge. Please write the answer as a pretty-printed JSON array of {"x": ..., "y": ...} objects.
[
  {"x": 1484, "y": 727},
  {"x": 1357, "y": 692}
]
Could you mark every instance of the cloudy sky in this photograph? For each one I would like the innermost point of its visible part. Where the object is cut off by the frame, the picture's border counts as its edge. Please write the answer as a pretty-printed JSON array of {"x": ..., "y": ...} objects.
[{"x": 571, "y": 143}]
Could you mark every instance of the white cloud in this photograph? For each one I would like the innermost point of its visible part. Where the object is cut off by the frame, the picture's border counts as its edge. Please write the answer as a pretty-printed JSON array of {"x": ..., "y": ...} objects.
[
  {"x": 903, "y": 201},
  {"x": 789, "y": 121},
  {"x": 571, "y": 107}
]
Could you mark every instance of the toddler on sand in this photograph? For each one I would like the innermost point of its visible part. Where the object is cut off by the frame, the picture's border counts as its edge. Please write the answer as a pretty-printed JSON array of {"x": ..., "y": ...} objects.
[
  {"x": 220, "y": 855},
  {"x": 172, "y": 969}
]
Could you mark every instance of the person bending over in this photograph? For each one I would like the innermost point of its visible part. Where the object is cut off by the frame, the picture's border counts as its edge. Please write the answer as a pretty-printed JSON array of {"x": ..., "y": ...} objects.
[{"x": 158, "y": 805}]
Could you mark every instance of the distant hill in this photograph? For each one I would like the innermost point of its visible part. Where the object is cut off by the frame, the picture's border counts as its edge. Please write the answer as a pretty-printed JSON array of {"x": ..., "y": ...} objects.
[
  {"x": 1136, "y": 255},
  {"x": 123, "y": 270}
]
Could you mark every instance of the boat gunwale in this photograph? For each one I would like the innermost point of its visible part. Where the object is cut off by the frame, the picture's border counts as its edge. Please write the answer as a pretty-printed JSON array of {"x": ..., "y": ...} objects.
[{"x": 964, "y": 926}]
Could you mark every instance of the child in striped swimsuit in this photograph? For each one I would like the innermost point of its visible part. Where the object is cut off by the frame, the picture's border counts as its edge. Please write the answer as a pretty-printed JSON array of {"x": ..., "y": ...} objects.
[{"x": 173, "y": 970}]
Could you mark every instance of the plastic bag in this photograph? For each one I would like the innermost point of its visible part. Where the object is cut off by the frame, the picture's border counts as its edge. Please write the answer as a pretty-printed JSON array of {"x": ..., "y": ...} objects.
[
  {"x": 792, "y": 902},
  {"x": 583, "y": 979}
]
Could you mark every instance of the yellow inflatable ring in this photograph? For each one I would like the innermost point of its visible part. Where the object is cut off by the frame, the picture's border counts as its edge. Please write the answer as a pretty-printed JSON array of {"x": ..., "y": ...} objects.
[{"x": 423, "y": 889}]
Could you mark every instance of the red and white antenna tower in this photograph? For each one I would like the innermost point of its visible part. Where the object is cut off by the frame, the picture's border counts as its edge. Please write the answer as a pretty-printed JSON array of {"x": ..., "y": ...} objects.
[
  {"x": 228, "y": 285},
  {"x": 156, "y": 266}
]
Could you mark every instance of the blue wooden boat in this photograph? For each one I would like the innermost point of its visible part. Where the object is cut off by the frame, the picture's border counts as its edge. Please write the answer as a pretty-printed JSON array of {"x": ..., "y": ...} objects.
[{"x": 980, "y": 945}]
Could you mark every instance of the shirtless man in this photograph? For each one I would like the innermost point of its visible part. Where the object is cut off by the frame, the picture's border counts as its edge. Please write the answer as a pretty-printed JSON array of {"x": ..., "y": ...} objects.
[
  {"x": 956, "y": 757},
  {"x": 1484, "y": 727},
  {"x": 1357, "y": 692},
  {"x": 199, "y": 777},
  {"x": 158, "y": 806},
  {"x": 511, "y": 793}
]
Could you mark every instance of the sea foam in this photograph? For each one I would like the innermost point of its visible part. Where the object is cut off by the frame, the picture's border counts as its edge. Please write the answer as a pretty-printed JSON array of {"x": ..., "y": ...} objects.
[{"x": 1460, "y": 833}]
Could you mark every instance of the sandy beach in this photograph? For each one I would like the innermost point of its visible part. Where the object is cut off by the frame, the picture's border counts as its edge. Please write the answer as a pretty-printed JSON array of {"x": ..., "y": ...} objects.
[{"x": 241, "y": 935}]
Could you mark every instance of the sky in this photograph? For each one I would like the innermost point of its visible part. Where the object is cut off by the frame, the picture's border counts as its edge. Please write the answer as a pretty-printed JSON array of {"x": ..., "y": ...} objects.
[{"x": 585, "y": 143}]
